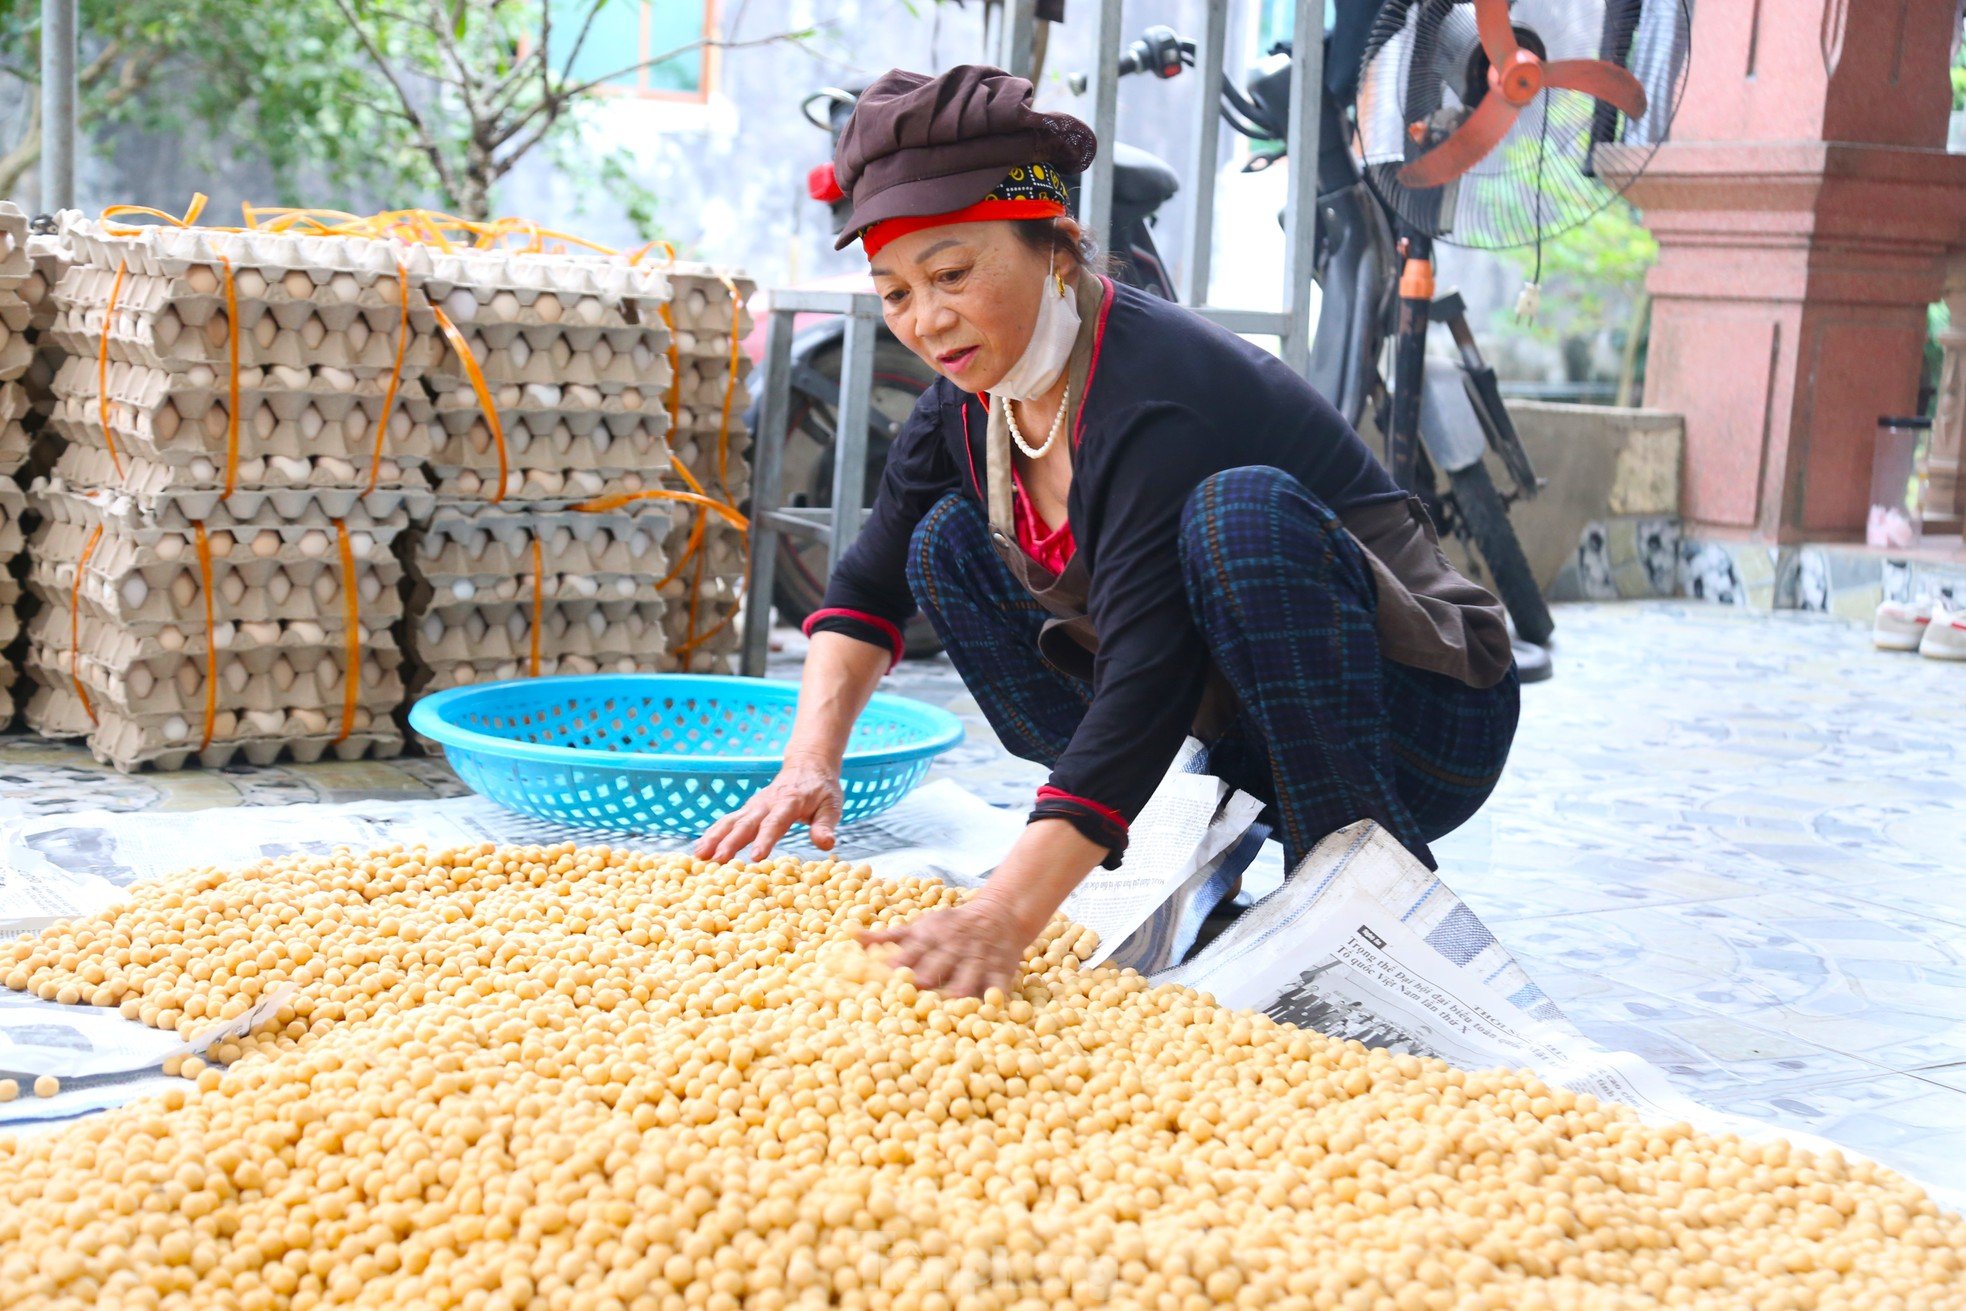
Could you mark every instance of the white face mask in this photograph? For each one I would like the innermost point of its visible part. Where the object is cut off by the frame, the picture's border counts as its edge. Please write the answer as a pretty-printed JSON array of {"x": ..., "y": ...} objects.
[{"x": 1057, "y": 331}]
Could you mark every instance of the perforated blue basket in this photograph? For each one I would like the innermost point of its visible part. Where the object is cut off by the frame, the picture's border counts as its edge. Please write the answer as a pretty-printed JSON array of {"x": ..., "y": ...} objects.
[{"x": 662, "y": 753}]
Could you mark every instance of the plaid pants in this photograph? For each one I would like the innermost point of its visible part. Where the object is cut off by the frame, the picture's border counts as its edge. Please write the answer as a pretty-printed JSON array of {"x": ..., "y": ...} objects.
[{"x": 1327, "y": 730}]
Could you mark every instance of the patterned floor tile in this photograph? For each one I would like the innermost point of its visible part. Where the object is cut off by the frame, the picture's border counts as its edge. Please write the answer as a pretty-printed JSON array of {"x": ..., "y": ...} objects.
[{"x": 1906, "y": 1123}]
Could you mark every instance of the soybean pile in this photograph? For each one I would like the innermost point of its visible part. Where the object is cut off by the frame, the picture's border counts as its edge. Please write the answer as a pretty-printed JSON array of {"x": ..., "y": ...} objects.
[{"x": 550, "y": 1077}]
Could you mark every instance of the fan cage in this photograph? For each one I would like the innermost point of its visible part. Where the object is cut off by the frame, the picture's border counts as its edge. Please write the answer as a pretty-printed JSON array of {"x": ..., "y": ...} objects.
[{"x": 1539, "y": 181}]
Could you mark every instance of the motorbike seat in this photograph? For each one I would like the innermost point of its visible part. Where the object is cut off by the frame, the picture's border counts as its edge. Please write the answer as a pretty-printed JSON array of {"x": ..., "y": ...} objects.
[{"x": 1141, "y": 179}]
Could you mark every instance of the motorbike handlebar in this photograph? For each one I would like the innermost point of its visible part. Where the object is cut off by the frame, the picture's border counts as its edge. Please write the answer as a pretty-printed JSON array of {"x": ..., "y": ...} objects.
[{"x": 1161, "y": 51}]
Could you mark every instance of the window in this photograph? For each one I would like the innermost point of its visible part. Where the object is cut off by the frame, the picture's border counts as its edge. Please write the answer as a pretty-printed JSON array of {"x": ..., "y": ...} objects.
[
  {"x": 1276, "y": 19},
  {"x": 627, "y": 32}
]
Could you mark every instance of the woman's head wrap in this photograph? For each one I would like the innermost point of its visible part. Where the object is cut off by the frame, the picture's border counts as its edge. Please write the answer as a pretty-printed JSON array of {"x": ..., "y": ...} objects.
[{"x": 963, "y": 147}]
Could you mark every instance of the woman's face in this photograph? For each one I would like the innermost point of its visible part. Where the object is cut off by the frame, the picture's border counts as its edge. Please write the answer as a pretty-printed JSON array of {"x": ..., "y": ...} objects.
[{"x": 964, "y": 297}]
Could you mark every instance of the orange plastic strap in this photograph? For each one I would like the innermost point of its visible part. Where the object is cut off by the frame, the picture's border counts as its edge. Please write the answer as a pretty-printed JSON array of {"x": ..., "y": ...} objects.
[
  {"x": 191, "y": 214},
  {"x": 640, "y": 252},
  {"x": 696, "y": 639},
  {"x": 478, "y": 384},
  {"x": 602, "y": 504},
  {"x": 75, "y": 623},
  {"x": 538, "y": 605},
  {"x": 395, "y": 379},
  {"x": 730, "y": 384},
  {"x": 102, "y": 365},
  {"x": 675, "y": 369},
  {"x": 682, "y": 471},
  {"x": 232, "y": 410},
  {"x": 211, "y": 633},
  {"x": 352, "y": 602}
]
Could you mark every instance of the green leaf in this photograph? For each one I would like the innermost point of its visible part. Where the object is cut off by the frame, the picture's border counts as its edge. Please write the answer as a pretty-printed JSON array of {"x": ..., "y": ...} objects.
[{"x": 460, "y": 12}]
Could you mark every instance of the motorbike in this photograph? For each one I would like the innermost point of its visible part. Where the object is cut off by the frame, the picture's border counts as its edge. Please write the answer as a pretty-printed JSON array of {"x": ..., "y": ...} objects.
[{"x": 1358, "y": 264}]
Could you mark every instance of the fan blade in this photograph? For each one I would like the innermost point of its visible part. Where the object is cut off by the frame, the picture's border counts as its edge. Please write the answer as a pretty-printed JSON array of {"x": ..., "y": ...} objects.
[
  {"x": 1478, "y": 134},
  {"x": 1600, "y": 78},
  {"x": 1497, "y": 32}
]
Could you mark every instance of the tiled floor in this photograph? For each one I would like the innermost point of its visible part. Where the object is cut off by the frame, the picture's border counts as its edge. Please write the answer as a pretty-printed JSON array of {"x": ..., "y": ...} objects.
[{"x": 1732, "y": 843}]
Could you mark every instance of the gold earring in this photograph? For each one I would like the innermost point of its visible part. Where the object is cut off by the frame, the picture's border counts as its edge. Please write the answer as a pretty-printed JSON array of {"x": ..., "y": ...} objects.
[{"x": 1059, "y": 278}]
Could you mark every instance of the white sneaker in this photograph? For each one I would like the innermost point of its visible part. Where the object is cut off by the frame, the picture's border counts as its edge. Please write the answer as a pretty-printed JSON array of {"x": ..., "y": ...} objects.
[
  {"x": 1945, "y": 636},
  {"x": 1901, "y": 625}
]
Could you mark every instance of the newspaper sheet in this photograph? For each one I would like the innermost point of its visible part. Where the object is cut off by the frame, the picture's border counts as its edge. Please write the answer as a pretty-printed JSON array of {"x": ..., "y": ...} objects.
[{"x": 1174, "y": 849}]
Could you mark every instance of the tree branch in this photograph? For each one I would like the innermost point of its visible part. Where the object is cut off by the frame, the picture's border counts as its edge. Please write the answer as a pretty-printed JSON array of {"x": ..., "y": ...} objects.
[
  {"x": 425, "y": 142},
  {"x": 26, "y": 152},
  {"x": 580, "y": 37},
  {"x": 93, "y": 71},
  {"x": 447, "y": 46}
]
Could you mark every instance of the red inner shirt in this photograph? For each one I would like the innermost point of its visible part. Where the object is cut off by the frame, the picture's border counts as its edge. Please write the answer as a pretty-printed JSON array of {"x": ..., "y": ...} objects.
[{"x": 1051, "y": 547}]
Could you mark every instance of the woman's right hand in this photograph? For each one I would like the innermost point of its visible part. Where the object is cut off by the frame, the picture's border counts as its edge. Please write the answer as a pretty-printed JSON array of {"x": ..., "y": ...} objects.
[{"x": 805, "y": 792}]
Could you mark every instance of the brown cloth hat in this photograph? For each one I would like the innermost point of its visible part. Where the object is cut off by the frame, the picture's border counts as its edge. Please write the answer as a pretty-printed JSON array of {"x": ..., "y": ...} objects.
[{"x": 918, "y": 145}]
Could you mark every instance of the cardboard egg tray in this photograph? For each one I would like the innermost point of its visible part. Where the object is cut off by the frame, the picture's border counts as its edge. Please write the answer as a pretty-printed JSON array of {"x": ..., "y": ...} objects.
[
  {"x": 261, "y": 667},
  {"x": 325, "y": 414},
  {"x": 546, "y": 426},
  {"x": 12, "y": 505},
  {"x": 174, "y": 253},
  {"x": 169, "y": 741},
  {"x": 176, "y": 324},
  {"x": 700, "y": 303},
  {"x": 15, "y": 440},
  {"x": 291, "y": 512},
  {"x": 48, "y": 258},
  {"x": 598, "y": 596},
  {"x": 470, "y": 541},
  {"x": 267, "y": 491},
  {"x": 635, "y": 356},
  {"x": 16, "y": 351},
  {"x": 14, "y": 263},
  {"x": 701, "y": 309},
  {"x": 498, "y": 290},
  {"x": 145, "y": 588},
  {"x": 491, "y": 635},
  {"x": 138, "y": 643}
]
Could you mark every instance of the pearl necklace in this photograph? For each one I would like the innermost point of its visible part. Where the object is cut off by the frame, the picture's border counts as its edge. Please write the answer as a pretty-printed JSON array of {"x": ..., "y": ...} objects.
[{"x": 1057, "y": 425}]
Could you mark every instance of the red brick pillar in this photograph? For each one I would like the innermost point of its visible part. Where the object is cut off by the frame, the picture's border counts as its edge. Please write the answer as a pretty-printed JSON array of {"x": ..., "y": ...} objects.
[{"x": 1803, "y": 210}]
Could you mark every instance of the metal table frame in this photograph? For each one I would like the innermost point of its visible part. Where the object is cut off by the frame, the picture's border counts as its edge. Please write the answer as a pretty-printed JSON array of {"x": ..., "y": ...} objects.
[{"x": 769, "y": 518}]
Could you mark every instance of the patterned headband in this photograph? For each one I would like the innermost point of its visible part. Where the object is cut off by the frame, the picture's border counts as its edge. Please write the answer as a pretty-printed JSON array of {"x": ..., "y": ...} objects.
[{"x": 1033, "y": 191}]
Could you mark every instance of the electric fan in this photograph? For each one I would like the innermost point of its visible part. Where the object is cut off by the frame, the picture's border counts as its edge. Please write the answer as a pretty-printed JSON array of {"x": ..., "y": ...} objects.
[{"x": 1487, "y": 124}]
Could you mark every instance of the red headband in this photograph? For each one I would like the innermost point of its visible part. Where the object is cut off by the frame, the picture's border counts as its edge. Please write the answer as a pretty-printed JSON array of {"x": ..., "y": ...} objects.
[{"x": 880, "y": 234}]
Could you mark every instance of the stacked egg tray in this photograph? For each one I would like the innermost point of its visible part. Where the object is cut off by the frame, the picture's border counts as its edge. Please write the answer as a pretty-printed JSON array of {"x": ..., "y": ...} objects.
[
  {"x": 121, "y": 649},
  {"x": 483, "y": 575},
  {"x": 709, "y": 308},
  {"x": 333, "y": 427},
  {"x": 576, "y": 359},
  {"x": 48, "y": 257},
  {"x": 16, "y": 353}
]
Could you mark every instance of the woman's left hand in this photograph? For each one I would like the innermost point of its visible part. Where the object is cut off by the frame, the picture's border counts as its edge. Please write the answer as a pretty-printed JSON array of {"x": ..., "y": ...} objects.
[
  {"x": 964, "y": 950},
  {"x": 980, "y": 944}
]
